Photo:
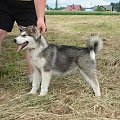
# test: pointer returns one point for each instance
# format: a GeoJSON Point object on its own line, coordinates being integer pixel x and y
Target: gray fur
{"type": "Point", "coordinates": [62, 59]}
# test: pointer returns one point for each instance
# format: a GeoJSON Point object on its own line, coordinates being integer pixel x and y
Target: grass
{"type": "Point", "coordinates": [69, 98]}
{"type": "Point", "coordinates": [57, 12]}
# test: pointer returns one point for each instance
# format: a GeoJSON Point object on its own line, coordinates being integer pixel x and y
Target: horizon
{"type": "Point", "coordinates": [83, 3]}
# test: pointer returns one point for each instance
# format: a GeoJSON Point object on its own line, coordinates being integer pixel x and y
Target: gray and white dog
{"type": "Point", "coordinates": [49, 59]}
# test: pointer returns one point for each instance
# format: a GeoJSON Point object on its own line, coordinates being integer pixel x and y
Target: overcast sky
{"type": "Point", "coordinates": [84, 3]}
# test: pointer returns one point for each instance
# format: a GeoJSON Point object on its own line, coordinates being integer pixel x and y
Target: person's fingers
{"type": "Point", "coordinates": [42, 27]}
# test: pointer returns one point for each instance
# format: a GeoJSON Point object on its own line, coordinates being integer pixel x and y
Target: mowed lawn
{"type": "Point", "coordinates": [69, 97]}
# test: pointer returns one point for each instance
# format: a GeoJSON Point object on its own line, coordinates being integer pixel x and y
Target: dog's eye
{"type": "Point", "coordinates": [24, 35]}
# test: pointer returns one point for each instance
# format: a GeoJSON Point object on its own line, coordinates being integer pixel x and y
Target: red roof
{"type": "Point", "coordinates": [73, 7]}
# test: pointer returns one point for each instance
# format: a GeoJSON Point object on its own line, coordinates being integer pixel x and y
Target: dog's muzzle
{"type": "Point", "coordinates": [21, 46]}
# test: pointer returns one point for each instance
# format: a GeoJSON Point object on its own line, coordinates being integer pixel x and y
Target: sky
{"type": "Point", "coordinates": [84, 3]}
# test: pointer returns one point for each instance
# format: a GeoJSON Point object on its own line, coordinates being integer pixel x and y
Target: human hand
{"type": "Point", "coordinates": [41, 25]}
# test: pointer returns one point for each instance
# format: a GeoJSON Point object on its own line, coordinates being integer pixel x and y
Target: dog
{"type": "Point", "coordinates": [49, 59]}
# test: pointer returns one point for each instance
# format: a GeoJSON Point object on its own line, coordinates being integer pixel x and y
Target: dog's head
{"type": "Point", "coordinates": [29, 38]}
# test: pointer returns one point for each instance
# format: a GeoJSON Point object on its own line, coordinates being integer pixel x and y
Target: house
{"type": "Point", "coordinates": [73, 8]}
{"type": "Point", "coordinates": [107, 7]}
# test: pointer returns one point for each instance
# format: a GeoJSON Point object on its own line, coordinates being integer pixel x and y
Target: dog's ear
{"type": "Point", "coordinates": [22, 28]}
{"type": "Point", "coordinates": [32, 29]}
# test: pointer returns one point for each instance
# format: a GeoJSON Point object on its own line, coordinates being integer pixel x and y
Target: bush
{"type": "Point", "coordinates": [99, 8]}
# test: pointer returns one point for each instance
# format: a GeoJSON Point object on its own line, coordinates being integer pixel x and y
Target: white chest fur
{"type": "Point", "coordinates": [38, 62]}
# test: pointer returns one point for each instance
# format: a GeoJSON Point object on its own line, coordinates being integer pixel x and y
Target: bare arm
{"type": "Point", "coordinates": [40, 11]}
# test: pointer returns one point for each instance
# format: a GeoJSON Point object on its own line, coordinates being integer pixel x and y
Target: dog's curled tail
{"type": "Point", "coordinates": [95, 43]}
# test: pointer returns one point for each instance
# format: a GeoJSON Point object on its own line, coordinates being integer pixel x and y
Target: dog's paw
{"type": "Point", "coordinates": [98, 95]}
{"type": "Point", "coordinates": [43, 92]}
{"type": "Point", "coordinates": [41, 95]}
{"type": "Point", "coordinates": [33, 91]}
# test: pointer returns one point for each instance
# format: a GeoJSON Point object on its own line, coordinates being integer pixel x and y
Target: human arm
{"type": "Point", "coordinates": [40, 11]}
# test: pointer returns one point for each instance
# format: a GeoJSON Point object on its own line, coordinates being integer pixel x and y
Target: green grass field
{"type": "Point", "coordinates": [69, 98]}
{"type": "Point", "coordinates": [59, 12]}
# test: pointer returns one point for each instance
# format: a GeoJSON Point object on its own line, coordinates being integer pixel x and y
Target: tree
{"type": "Point", "coordinates": [116, 6]}
{"type": "Point", "coordinates": [99, 8]}
{"type": "Point", "coordinates": [47, 6]}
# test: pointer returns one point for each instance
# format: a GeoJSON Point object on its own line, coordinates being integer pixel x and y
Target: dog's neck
{"type": "Point", "coordinates": [42, 45]}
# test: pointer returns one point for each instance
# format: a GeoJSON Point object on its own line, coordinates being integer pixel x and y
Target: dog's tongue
{"type": "Point", "coordinates": [22, 46]}
{"type": "Point", "coordinates": [19, 48]}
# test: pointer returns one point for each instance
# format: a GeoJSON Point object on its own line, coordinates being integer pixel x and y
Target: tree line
{"type": "Point", "coordinates": [116, 6]}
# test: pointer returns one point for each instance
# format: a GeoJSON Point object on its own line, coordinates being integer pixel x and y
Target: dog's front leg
{"type": "Point", "coordinates": [46, 76]}
{"type": "Point", "coordinates": [36, 81]}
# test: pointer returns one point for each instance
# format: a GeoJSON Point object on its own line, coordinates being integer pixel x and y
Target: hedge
{"type": "Point", "coordinates": [80, 13]}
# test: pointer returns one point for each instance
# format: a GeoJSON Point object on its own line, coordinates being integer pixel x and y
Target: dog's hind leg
{"type": "Point", "coordinates": [46, 76]}
{"type": "Point", "coordinates": [36, 81]}
{"type": "Point", "coordinates": [91, 79]}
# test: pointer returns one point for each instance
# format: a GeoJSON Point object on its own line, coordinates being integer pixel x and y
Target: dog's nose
{"type": "Point", "coordinates": [15, 40]}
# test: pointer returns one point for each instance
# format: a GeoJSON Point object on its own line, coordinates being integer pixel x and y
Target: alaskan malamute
{"type": "Point", "coordinates": [48, 59]}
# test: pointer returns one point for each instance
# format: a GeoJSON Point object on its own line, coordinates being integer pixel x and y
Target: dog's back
{"type": "Point", "coordinates": [63, 59]}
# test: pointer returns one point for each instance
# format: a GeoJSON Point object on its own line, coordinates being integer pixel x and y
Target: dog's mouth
{"type": "Point", "coordinates": [22, 46]}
